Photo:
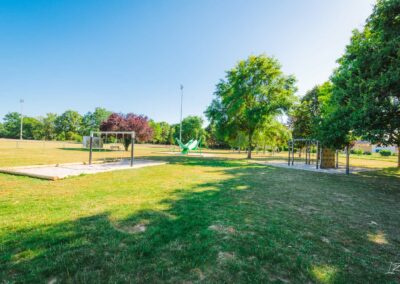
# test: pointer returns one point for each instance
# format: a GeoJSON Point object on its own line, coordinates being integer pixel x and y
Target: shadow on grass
{"type": "Point", "coordinates": [197, 161]}
{"type": "Point", "coordinates": [87, 150]}
{"type": "Point", "coordinates": [257, 225]}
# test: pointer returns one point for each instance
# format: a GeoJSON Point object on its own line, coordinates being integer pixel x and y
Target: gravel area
{"type": "Point", "coordinates": [312, 168]}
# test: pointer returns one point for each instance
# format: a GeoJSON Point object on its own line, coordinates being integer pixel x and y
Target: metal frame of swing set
{"type": "Point", "coordinates": [308, 144]}
{"type": "Point", "coordinates": [123, 133]}
{"type": "Point", "coordinates": [318, 158]}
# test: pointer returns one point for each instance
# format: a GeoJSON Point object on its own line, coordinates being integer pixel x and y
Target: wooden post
{"type": "Point", "coordinates": [132, 150]}
{"type": "Point", "coordinates": [347, 160]}
{"type": "Point", "coordinates": [90, 149]}
{"type": "Point", "coordinates": [288, 149]}
{"type": "Point", "coordinates": [317, 156]}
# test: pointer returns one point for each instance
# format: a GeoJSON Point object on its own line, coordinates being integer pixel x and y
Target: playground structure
{"type": "Point", "coordinates": [323, 158]}
{"type": "Point", "coordinates": [192, 145]}
{"type": "Point", "coordinates": [112, 141]}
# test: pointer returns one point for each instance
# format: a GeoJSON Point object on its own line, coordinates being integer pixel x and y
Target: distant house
{"type": "Point", "coordinates": [363, 145]}
{"type": "Point", "coordinates": [366, 146]}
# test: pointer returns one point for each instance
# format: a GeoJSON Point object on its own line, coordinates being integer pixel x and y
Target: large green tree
{"type": "Point", "coordinates": [157, 131]}
{"type": "Point", "coordinates": [12, 122]}
{"type": "Point", "coordinates": [192, 128]}
{"type": "Point", "coordinates": [367, 81]}
{"type": "Point", "coordinates": [252, 92]}
{"type": "Point", "coordinates": [49, 126]}
{"type": "Point", "coordinates": [2, 131]}
{"type": "Point", "coordinates": [33, 128]}
{"type": "Point", "coordinates": [68, 125]}
{"type": "Point", "coordinates": [307, 118]}
{"type": "Point", "coordinates": [165, 131]}
{"type": "Point", "coordinates": [91, 121]}
{"type": "Point", "coordinates": [273, 134]}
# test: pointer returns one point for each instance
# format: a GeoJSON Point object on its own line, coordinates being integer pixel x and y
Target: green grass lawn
{"type": "Point", "coordinates": [201, 220]}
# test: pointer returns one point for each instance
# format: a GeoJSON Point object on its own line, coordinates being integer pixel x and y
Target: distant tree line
{"type": "Point", "coordinates": [72, 126]}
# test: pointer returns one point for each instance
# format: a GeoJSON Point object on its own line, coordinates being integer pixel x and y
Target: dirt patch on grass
{"type": "Point", "coordinates": [378, 238]}
{"type": "Point", "coordinates": [222, 229]}
{"type": "Point", "coordinates": [224, 257]}
{"type": "Point", "coordinates": [136, 229]}
{"type": "Point", "coordinates": [199, 273]}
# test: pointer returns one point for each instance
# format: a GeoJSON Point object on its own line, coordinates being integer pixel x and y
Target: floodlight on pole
{"type": "Point", "coordinates": [180, 127]}
{"type": "Point", "coordinates": [21, 101]}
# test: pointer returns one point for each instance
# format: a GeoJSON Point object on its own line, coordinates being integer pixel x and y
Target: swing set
{"type": "Point", "coordinates": [112, 145]}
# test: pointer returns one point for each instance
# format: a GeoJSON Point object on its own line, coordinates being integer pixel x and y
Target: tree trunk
{"type": "Point", "coordinates": [250, 142]}
{"type": "Point", "coordinates": [127, 142]}
{"type": "Point", "coordinates": [398, 155]}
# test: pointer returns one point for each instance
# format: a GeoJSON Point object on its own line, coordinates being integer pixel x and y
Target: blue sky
{"type": "Point", "coordinates": [131, 56]}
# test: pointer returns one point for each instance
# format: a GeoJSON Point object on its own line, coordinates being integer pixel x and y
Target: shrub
{"type": "Point", "coordinates": [76, 137]}
{"type": "Point", "coordinates": [356, 151]}
{"type": "Point", "coordinates": [385, 152]}
{"type": "Point", "coordinates": [367, 153]}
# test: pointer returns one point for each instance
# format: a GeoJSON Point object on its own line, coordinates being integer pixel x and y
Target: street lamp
{"type": "Point", "coordinates": [180, 128]}
{"type": "Point", "coordinates": [21, 101]}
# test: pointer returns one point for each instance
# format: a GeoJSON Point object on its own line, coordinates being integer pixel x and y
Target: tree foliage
{"type": "Point", "coordinates": [91, 121]}
{"type": "Point", "coordinates": [192, 128]}
{"type": "Point", "coordinates": [251, 93]}
{"type": "Point", "coordinates": [129, 122]}
{"type": "Point", "coordinates": [367, 82]}
{"type": "Point", "coordinates": [49, 126]}
{"type": "Point", "coordinates": [12, 122]}
{"type": "Point", "coordinates": [273, 134]}
{"type": "Point", "coordinates": [68, 125]}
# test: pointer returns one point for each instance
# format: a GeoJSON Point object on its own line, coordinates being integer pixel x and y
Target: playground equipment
{"type": "Point", "coordinates": [321, 155]}
{"type": "Point", "coordinates": [112, 143]}
{"type": "Point", "coordinates": [192, 145]}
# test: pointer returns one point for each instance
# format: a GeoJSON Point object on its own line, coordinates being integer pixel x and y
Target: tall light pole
{"type": "Point", "coordinates": [180, 128]}
{"type": "Point", "coordinates": [21, 101]}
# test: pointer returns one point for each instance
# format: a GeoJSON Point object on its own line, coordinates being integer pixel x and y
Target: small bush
{"type": "Point", "coordinates": [356, 151]}
{"type": "Point", "coordinates": [367, 153]}
{"type": "Point", "coordinates": [76, 138]}
{"type": "Point", "coordinates": [385, 153]}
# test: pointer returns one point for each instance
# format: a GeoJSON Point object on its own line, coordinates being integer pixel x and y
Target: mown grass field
{"type": "Point", "coordinates": [217, 219]}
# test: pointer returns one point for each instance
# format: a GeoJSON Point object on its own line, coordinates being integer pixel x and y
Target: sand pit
{"type": "Point", "coordinates": [55, 172]}
{"type": "Point", "coordinates": [312, 168]}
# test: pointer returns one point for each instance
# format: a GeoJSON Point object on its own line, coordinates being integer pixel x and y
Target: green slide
{"type": "Point", "coordinates": [189, 146]}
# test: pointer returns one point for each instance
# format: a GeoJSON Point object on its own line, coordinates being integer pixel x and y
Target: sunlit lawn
{"type": "Point", "coordinates": [197, 220]}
